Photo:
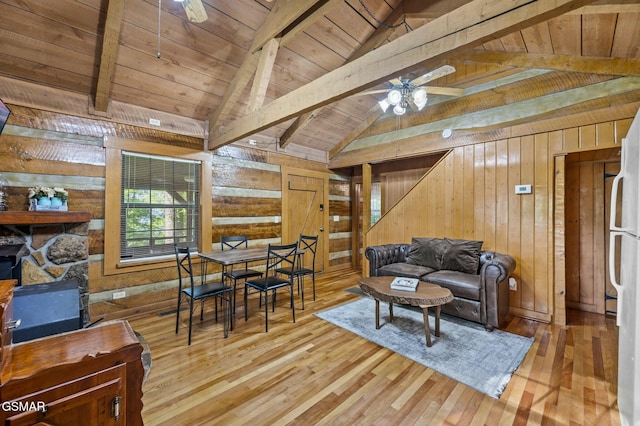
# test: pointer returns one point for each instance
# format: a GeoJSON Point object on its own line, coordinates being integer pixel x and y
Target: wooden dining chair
{"type": "Point", "coordinates": [277, 256]}
{"type": "Point", "coordinates": [191, 292]}
{"type": "Point", "coordinates": [231, 243]}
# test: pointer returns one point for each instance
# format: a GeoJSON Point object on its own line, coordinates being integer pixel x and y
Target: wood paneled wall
{"type": "Point", "coordinates": [470, 194]}
{"type": "Point", "coordinates": [587, 205]}
{"type": "Point", "coordinates": [41, 147]}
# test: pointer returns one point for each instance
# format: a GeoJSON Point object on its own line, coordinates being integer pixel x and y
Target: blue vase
{"type": "Point", "coordinates": [44, 201]}
{"type": "Point", "coordinates": [55, 201]}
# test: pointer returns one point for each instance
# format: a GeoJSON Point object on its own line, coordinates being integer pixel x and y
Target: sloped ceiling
{"type": "Point", "coordinates": [285, 75]}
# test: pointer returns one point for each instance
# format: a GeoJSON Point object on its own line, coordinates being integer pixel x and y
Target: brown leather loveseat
{"type": "Point", "coordinates": [478, 279]}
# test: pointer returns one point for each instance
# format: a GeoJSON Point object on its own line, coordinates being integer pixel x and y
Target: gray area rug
{"type": "Point", "coordinates": [465, 351]}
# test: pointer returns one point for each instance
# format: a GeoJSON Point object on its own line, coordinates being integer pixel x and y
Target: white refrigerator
{"type": "Point", "coordinates": [627, 234]}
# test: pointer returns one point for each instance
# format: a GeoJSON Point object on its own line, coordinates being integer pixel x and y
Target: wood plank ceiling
{"type": "Point", "coordinates": [283, 75]}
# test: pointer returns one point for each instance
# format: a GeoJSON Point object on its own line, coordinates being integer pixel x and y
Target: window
{"type": "Point", "coordinates": [376, 202]}
{"type": "Point", "coordinates": [155, 194]}
{"type": "Point", "coordinates": [159, 205]}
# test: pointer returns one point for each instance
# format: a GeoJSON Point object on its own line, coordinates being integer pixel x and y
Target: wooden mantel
{"type": "Point", "coordinates": [43, 217]}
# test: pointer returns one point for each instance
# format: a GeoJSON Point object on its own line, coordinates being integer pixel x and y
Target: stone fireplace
{"type": "Point", "coordinates": [55, 247]}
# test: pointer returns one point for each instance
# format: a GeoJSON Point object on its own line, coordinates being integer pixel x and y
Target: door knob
{"type": "Point", "coordinates": [321, 229]}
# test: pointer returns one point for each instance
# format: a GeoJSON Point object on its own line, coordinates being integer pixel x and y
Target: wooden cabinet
{"type": "Point", "coordinates": [88, 376]}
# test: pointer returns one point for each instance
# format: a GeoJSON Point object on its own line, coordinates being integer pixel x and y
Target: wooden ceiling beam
{"type": "Point", "coordinates": [113, 24]}
{"type": "Point", "coordinates": [380, 34]}
{"type": "Point", "coordinates": [374, 113]}
{"type": "Point", "coordinates": [283, 13]}
{"type": "Point", "coordinates": [470, 25]}
{"type": "Point", "coordinates": [427, 138]}
{"type": "Point", "coordinates": [263, 74]}
{"type": "Point", "coordinates": [608, 6]}
{"type": "Point", "coordinates": [308, 21]}
{"type": "Point", "coordinates": [591, 65]}
{"type": "Point", "coordinates": [434, 9]}
{"type": "Point", "coordinates": [407, 7]}
{"type": "Point", "coordinates": [434, 142]}
{"type": "Point", "coordinates": [378, 37]}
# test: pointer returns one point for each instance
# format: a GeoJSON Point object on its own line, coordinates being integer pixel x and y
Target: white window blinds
{"type": "Point", "coordinates": [159, 205]}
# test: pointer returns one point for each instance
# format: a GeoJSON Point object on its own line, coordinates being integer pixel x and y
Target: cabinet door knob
{"type": "Point", "coordinates": [13, 324]}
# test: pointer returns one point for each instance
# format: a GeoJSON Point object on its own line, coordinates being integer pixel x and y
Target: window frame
{"type": "Point", "coordinates": [114, 147]}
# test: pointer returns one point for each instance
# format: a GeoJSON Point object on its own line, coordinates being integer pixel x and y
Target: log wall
{"type": "Point", "coordinates": [42, 147]}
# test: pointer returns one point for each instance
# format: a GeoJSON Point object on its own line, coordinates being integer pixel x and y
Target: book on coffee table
{"type": "Point", "coordinates": [405, 284]}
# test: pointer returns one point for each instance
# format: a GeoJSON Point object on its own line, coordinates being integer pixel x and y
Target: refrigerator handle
{"type": "Point", "coordinates": [614, 203]}
{"type": "Point", "coordinates": [612, 273]}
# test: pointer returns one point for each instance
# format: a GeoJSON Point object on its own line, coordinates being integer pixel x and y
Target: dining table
{"type": "Point", "coordinates": [235, 256]}
{"type": "Point", "coordinates": [228, 258]}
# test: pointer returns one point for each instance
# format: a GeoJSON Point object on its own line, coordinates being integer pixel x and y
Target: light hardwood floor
{"type": "Point", "coordinates": [312, 372]}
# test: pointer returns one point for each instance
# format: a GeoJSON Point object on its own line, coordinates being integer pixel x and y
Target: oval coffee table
{"type": "Point", "coordinates": [425, 296]}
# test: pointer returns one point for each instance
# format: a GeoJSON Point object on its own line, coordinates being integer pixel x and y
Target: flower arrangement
{"type": "Point", "coordinates": [47, 198]}
{"type": "Point", "coordinates": [48, 192]}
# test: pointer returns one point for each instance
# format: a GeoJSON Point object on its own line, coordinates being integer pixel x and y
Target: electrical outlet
{"type": "Point", "coordinates": [119, 294]}
{"type": "Point", "coordinates": [336, 218]}
{"type": "Point", "coordinates": [513, 284]}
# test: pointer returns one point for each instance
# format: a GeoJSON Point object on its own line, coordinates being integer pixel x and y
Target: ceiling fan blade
{"type": "Point", "coordinates": [371, 92]}
{"type": "Point", "coordinates": [449, 91]}
{"type": "Point", "coordinates": [396, 82]}
{"type": "Point", "coordinates": [195, 10]}
{"type": "Point", "coordinates": [434, 75]}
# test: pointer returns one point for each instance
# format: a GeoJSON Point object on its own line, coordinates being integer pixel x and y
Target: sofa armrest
{"type": "Point", "coordinates": [386, 254]}
{"type": "Point", "coordinates": [494, 276]}
{"type": "Point", "coordinates": [496, 267]}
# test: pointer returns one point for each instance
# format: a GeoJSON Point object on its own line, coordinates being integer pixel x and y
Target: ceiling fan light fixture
{"type": "Point", "coordinates": [399, 109]}
{"type": "Point", "coordinates": [384, 105]}
{"type": "Point", "coordinates": [195, 10]}
{"type": "Point", "coordinates": [420, 95]}
{"type": "Point", "coordinates": [394, 97]}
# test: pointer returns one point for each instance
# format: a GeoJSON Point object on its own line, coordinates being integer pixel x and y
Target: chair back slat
{"type": "Point", "coordinates": [233, 242]}
{"type": "Point", "coordinates": [280, 256]}
{"type": "Point", "coordinates": [184, 264]}
{"type": "Point", "coordinates": [309, 243]}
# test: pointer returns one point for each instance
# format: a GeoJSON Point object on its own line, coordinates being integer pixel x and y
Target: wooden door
{"type": "Point", "coordinates": [305, 209]}
{"type": "Point", "coordinates": [588, 197]}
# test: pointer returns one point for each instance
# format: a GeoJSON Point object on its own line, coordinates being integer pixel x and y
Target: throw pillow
{"type": "Point", "coordinates": [427, 252]}
{"type": "Point", "coordinates": [462, 256]}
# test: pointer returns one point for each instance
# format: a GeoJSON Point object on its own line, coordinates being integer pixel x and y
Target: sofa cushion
{"type": "Point", "coordinates": [404, 270]}
{"type": "Point", "coordinates": [462, 256]}
{"type": "Point", "coordinates": [427, 252]}
{"type": "Point", "coordinates": [460, 284]}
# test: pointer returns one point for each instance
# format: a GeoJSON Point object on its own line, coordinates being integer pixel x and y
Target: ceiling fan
{"type": "Point", "coordinates": [195, 10]}
{"type": "Point", "coordinates": [405, 93]}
